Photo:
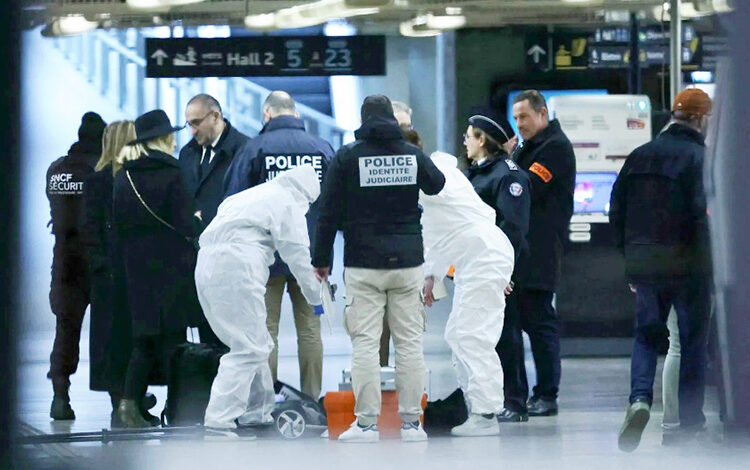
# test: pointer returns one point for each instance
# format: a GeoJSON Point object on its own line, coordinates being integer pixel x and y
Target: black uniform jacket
{"type": "Point", "coordinates": [283, 144]}
{"type": "Point", "coordinates": [159, 262]}
{"type": "Point", "coordinates": [65, 186]}
{"type": "Point", "coordinates": [371, 192]}
{"type": "Point", "coordinates": [658, 208]}
{"type": "Point", "coordinates": [208, 190]}
{"type": "Point", "coordinates": [551, 164]}
{"type": "Point", "coordinates": [502, 185]}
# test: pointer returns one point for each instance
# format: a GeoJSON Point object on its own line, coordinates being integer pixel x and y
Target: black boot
{"type": "Point", "coordinates": [60, 409]}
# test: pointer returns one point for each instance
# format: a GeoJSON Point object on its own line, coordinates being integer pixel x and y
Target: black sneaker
{"type": "Point", "coordinates": [542, 407]}
{"type": "Point", "coordinates": [635, 422]}
{"type": "Point", "coordinates": [509, 416]}
{"type": "Point", "coordinates": [61, 410]}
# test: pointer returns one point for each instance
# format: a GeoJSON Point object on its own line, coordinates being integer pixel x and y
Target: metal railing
{"type": "Point", "coordinates": [114, 62]}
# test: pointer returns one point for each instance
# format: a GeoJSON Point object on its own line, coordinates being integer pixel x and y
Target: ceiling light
{"type": "Point", "coordinates": [445, 21]}
{"type": "Point", "coordinates": [687, 11]}
{"type": "Point", "coordinates": [453, 10]}
{"type": "Point", "coordinates": [69, 25]}
{"type": "Point", "coordinates": [145, 4]}
{"type": "Point", "coordinates": [417, 28]}
{"type": "Point", "coordinates": [263, 21]}
{"type": "Point", "coordinates": [312, 14]}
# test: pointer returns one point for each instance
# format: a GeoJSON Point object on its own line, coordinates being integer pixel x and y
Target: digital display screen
{"type": "Point", "coordinates": [592, 192]}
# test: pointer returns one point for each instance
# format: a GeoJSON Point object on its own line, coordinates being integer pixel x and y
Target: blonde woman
{"type": "Point", "coordinates": [109, 340]}
{"type": "Point", "coordinates": [153, 217]}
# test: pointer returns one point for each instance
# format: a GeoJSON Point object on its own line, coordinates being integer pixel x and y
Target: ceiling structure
{"type": "Point", "coordinates": [370, 15]}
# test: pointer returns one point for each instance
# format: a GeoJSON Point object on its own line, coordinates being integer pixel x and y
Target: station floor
{"type": "Point", "coordinates": [592, 401]}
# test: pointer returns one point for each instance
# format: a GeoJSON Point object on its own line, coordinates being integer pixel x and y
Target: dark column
{"type": "Point", "coordinates": [9, 180]}
{"type": "Point", "coordinates": [634, 71]}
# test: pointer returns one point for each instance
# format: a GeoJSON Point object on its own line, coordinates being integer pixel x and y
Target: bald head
{"type": "Point", "coordinates": [278, 103]}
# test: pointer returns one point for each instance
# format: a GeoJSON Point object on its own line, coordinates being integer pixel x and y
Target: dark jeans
{"type": "Point", "coordinates": [149, 352]}
{"type": "Point", "coordinates": [68, 302]}
{"type": "Point", "coordinates": [691, 301]}
{"type": "Point", "coordinates": [530, 311]}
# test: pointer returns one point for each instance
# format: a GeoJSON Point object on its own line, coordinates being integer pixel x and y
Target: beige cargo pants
{"type": "Point", "coordinates": [307, 324]}
{"type": "Point", "coordinates": [370, 294]}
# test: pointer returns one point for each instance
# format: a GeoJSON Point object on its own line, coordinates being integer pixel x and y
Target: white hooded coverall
{"type": "Point", "coordinates": [236, 250]}
{"type": "Point", "coordinates": [459, 229]}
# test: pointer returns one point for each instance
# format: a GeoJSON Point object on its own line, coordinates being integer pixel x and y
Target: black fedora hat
{"type": "Point", "coordinates": [151, 125]}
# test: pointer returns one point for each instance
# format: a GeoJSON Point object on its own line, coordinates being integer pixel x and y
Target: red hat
{"type": "Point", "coordinates": [693, 102]}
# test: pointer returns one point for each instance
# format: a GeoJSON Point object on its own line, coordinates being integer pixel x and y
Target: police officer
{"type": "Point", "coordinates": [502, 185]}
{"type": "Point", "coordinates": [658, 212]}
{"type": "Point", "coordinates": [69, 292]}
{"type": "Point", "coordinates": [282, 145]}
{"type": "Point", "coordinates": [371, 193]}
{"type": "Point", "coordinates": [547, 156]}
{"type": "Point", "coordinates": [204, 162]}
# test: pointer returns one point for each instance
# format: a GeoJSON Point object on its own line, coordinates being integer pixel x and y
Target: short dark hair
{"type": "Point", "coordinates": [207, 101]}
{"type": "Point", "coordinates": [536, 100]}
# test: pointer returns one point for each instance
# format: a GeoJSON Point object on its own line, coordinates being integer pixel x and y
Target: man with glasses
{"type": "Point", "coordinates": [204, 161]}
{"type": "Point", "coordinates": [282, 145]}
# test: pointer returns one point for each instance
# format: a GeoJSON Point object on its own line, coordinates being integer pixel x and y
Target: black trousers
{"type": "Point", "coordinates": [149, 352]}
{"type": "Point", "coordinates": [68, 300]}
{"type": "Point", "coordinates": [530, 311]}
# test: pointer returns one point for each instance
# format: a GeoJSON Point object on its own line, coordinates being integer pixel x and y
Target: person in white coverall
{"type": "Point", "coordinates": [459, 229]}
{"type": "Point", "coordinates": [236, 250]}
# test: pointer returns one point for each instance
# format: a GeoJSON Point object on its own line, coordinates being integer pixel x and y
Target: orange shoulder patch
{"type": "Point", "coordinates": [541, 171]}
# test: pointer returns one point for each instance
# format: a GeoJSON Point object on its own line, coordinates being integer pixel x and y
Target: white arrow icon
{"type": "Point", "coordinates": [535, 52]}
{"type": "Point", "coordinates": [159, 55]}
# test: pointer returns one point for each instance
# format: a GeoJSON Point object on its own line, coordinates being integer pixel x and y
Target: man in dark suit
{"type": "Point", "coordinates": [204, 161]}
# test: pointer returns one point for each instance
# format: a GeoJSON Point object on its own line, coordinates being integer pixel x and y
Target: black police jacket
{"type": "Point", "coordinates": [502, 185]}
{"type": "Point", "coordinates": [658, 208]}
{"type": "Point", "coordinates": [551, 165]}
{"type": "Point", "coordinates": [208, 189]}
{"type": "Point", "coordinates": [371, 192]}
{"type": "Point", "coordinates": [282, 144]}
{"type": "Point", "coordinates": [65, 189]}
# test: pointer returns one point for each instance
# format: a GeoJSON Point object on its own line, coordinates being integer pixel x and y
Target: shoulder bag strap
{"type": "Point", "coordinates": [138, 195]}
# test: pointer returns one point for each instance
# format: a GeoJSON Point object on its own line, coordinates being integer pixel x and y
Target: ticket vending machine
{"type": "Point", "coordinates": [593, 300]}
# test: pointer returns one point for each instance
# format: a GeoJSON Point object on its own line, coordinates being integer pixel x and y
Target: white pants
{"type": "Point", "coordinates": [231, 291]}
{"type": "Point", "coordinates": [472, 331]}
{"type": "Point", "coordinates": [670, 377]}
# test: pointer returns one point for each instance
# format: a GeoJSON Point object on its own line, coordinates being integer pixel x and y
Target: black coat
{"type": "Point", "coordinates": [371, 192]}
{"type": "Point", "coordinates": [110, 336]}
{"type": "Point", "coordinates": [551, 164]}
{"type": "Point", "coordinates": [159, 262]}
{"type": "Point", "coordinates": [208, 189]}
{"type": "Point", "coordinates": [281, 145]}
{"type": "Point", "coordinates": [502, 185]}
{"type": "Point", "coordinates": [658, 208]}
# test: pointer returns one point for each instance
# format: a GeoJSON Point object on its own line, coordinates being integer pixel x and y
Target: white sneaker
{"type": "Point", "coordinates": [413, 432]}
{"type": "Point", "coordinates": [477, 425]}
{"type": "Point", "coordinates": [356, 434]}
{"type": "Point", "coordinates": [226, 434]}
{"type": "Point", "coordinates": [324, 434]}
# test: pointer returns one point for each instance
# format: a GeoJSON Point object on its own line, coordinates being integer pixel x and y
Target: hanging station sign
{"type": "Point", "coordinates": [265, 56]}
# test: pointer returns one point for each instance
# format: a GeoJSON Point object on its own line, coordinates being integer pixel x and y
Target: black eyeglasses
{"type": "Point", "coordinates": [197, 122]}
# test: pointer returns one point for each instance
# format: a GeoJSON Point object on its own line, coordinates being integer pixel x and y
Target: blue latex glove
{"type": "Point", "coordinates": [318, 309]}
